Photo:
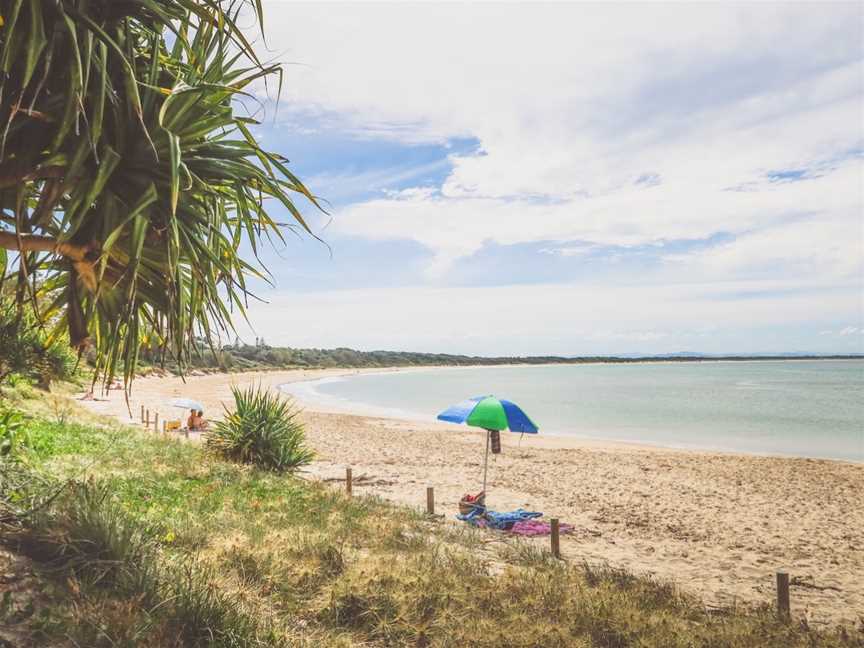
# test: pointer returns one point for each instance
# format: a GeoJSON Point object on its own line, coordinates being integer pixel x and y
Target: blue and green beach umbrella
{"type": "Point", "coordinates": [489, 413]}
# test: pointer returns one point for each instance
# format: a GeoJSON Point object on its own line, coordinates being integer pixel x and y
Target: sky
{"type": "Point", "coordinates": [521, 179]}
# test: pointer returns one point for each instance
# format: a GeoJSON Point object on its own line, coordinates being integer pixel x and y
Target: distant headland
{"type": "Point", "coordinates": [245, 357]}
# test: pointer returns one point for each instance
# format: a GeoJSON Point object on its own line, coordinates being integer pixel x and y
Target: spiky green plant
{"type": "Point", "coordinates": [12, 432]}
{"type": "Point", "coordinates": [101, 542]}
{"type": "Point", "coordinates": [128, 180]}
{"type": "Point", "coordinates": [264, 429]}
{"type": "Point", "coordinates": [28, 351]}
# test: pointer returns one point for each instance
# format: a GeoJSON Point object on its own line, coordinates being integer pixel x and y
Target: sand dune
{"type": "Point", "coordinates": [720, 525]}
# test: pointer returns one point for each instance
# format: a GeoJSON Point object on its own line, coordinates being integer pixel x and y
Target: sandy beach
{"type": "Point", "coordinates": [718, 524]}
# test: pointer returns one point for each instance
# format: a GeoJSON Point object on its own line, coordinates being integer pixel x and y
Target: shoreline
{"type": "Point", "coordinates": [312, 400]}
{"type": "Point", "coordinates": [719, 525]}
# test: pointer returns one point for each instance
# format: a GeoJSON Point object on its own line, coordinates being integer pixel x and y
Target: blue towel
{"type": "Point", "coordinates": [500, 521]}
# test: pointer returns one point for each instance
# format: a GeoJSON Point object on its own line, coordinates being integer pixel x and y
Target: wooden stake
{"type": "Point", "coordinates": [142, 413]}
{"type": "Point", "coordinates": [156, 423]}
{"type": "Point", "coordinates": [348, 484]}
{"type": "Point", "coordinates": [556, 543]}
{"type": "Point", "coordinates": [147, 420]}
{"type": "Point", "coordinates": [430, 500]}
{"type": "Point", "coordinates": [783, 595]}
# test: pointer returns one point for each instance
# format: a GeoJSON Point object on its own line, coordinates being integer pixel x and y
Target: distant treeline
{"type": "Point", "coordinates": [245, 357]}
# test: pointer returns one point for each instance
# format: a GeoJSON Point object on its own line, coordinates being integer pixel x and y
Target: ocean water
{"type": "Point", "coordinates": [798, 408]}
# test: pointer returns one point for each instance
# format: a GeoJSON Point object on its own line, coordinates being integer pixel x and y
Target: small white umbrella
{"type": "Point", "coordinates": [187, 403]}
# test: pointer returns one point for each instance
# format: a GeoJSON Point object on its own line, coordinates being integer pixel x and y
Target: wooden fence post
{"type": "Point", "coordinates": [556, 543]}
{"type": "Point", "coordinates": [156, 423]}
{"type": "Point", "coordinates": [147, 420]}
{"type": "Point", "coordinates": [142, 413]}
{"type": "Point", "coordinates": [783, 595]}
{"type": "Point", "coordinates": [348, 485]}
{"type": "Point", "coordinates": [164, 427]}
{"type": "Point", "coordinates": [430, 500]}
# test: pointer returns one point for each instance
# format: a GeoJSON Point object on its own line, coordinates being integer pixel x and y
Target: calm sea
{"type": "Point", "coordinates": [800, 408]}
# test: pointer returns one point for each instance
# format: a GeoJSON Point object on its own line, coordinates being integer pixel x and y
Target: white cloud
{"type": "Point", "coordinates": [333, 186]}
{"type": "Point", "coordinates": [631, 336]}
{"type": "Point", "coordinates": [844, 332]}
{"type": "Point", "coordinates": [568, 98]}
{"type": "Point", "coordinates": [569, 250]}
{"type": "Point", "coordinates": [598, 125]}
{"type": "Point", "coordinates": [826, 238]}
{"type": "Point", "coordinates": [576, 103]}
{"type": "Point", "coordinates": [548, 318]}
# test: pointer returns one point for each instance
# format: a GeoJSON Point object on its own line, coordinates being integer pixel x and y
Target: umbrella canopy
{"type": "Point", "coordinates": [489, 413]}
{"type": "Point", "coordinates": [187, 403]}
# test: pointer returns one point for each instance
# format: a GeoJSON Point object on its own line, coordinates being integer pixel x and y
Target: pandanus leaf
{"type": "Point", "coordinates": [163, 187]}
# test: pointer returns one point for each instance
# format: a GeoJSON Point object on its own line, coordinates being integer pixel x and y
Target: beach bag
{"type": "Point", "coordinates": [470, 503]}
{"type": "Point", "coordinates": [495, 436]}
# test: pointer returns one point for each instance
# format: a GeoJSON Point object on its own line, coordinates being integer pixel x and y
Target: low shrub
{"type": "Point", "coordinates": [263, 430]}
{"type": "Point", "coordinates": [201, 614]}
{"type": "Point", "coordinates": [85, 532]}
{"type": "Point", "coordinates": [12, 433]}
{"type": "Point", "coordinates": [29, 353]}
{"type": "Point", "coordinates": [85, 537]}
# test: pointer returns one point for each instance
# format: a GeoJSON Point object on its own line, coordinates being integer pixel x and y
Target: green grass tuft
{"type": "Point", "coordinates": [264, 430]}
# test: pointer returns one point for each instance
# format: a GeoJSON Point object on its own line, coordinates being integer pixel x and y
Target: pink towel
{"type": "Point", "coordinates": [537, 528]}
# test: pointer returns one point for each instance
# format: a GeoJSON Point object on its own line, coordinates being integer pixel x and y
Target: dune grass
{"type": "Point", "coordinates": [158, 543]}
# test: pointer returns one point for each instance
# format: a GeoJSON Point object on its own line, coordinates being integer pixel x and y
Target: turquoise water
{"type": "Point", "coordinates": [800, 408]}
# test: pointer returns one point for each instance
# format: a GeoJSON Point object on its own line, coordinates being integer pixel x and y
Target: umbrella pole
{"type": "Point", "coordinates": [486, 460]}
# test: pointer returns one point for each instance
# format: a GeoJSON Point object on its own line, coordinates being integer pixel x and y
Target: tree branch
{"type": "Point", "coordinates": [83, 257]}
{"type": "Point", "coordinates": [12, 174]}
{"type": "Point", "coordinates": [36, 243]}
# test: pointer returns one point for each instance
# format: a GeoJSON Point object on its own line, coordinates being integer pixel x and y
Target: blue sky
{"type": "Point", "coordinates": [570, 179]}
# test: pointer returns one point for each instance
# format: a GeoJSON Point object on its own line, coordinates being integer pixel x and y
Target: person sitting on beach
{"type": "Point", "coordinates": [196, 421]}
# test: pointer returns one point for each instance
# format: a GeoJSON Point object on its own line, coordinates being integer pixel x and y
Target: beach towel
{"type": "Point", "coordinates": [537, 528]}
{"type": "Point", "coordinates": [495, 520]}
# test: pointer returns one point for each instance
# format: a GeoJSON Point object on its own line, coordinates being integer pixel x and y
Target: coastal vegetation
{"type": "Point", "coordinates": [263, 429]}
{"type": "Point", "coordinates": [131, 181]}
{"type": "Point", "coordinates": [27, 351]}
{"type": "Point", "coordinates": [132, 539]}
{"type": "Point", "coordinates": [260, 356]}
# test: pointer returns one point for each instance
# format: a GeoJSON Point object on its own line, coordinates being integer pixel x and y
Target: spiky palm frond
{"type": "Point", "coordinates": [128, 182]}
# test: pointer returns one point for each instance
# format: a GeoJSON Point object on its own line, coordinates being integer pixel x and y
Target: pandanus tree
{"type": "Point", "coordinates": [130, 183]}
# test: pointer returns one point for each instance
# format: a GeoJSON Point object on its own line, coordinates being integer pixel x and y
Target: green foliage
{"type": "Point", "coordinates": [203, 615]}
{"type": "Point", "coordinates": [280, 561]}
{"type": "Point", "coordinates": [88, 537]}
{"type": "Point", "coordinates": [127, 176]}
{"type": "Point", "coordinates": [247, 357]}
{"type": "Point", "coordinates": [100, 543]}
{"type": "Point", "coordinates": [46, 439]}
{"type": "Point", "coordinates": [12, 433]}
{"type": "Point", "coordinates": [28, 351]}
{"type": "Point", "coordinates": [264, 429]}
